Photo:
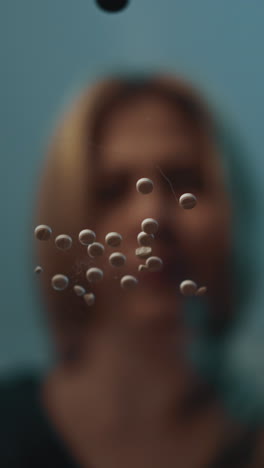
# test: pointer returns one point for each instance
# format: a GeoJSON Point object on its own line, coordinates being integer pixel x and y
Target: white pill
{"type": "Point", "coordinates": [142, 267]}
{"type": "Point", "coordinates": [201, 291]}
{"type": "Point", "coordinates": [150, 226]}
{"type": "Point", "coordinates": [86, 236]}
{"type": "Point", "coordinates": [63, 242]}
{"type": "Point", "coordinates": [113, 239]}
{"type": "Point", "coordinates": [117, 259]}
{"type": "Point", "coordinates": [188, 287]}
{"type": "Point", "coordinates": [143, 252]}
{"type": "Point", "coordinates": [144, 186]}
{"type": "Point", "coordinates": [79, 290]}
{"type": "Point", "coordinates": [59, 282]}
{"type": "Point", "coordinates": [145, 239]}
{"type": "Point", "coordinates": [89, 298]}
{"type": "Point", "coordinates": [187, 201]}
{"type": "Point", "coordinates": [95, 249]}
{"type": "Point", "coordinates": [38, 269]}
{"type": "Point", "coordinates": [94, 275]}
{"type": "Point", "coordinates": [43, 232]}
{"type": "Point", "coordinates": [154, 263]}
{"type": "Point", "coordinates": [128, 282]}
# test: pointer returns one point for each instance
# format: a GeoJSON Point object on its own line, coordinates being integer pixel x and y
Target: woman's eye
{"type": "Point", "coordinates": [110, 192]}
{"type": "Point", "coordinates": [188, 184]}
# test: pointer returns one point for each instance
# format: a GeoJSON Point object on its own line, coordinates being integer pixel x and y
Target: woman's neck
{"type": "Point", "coordinates": [146, 373]}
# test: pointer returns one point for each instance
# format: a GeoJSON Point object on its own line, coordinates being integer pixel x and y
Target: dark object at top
{"type": "Point", "coordinates": [112, 6]}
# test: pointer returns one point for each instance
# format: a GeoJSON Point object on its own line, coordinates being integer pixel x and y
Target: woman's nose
{"type": "Point", "coordinates": [158, 206]}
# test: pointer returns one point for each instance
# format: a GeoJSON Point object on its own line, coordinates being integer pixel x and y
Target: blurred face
{"type": "Point", "coordinates": [148, 137]}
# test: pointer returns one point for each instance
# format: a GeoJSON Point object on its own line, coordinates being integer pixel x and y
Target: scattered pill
{"type": "Point", "coordinates": [187, 201]}
{"type": "Point", "coordinates": [113, 239]}
{"type": "Point", "coordinates": [128, 282]}
{"type": "Point", "coordinates": [94, 275]}
{"type": "Point", "coordinates": [79, 290]}
{"type": "Point", "coordinates": [38, 269]}
{"type": "Point", "coordinates": [143, 252]}
{"type": "Point", "coordinates": [150, 226]}
{"type": "Point", "coordinates": [86, 236]}
{"type": "Point", "coordinates": [201, 291]}
{"type": "Point", "coordinates": [144, 186]}
{"type": "Point", "coordinates": [63, 242]}
{"type": "Point", "coordinates": [142, 267]}
{"type": "Point", "coordinates": [188, 287]}
{"type": "Point", "coordinates": [59, 282]}
{"type": "Point", "coordinates": [117, 259]}
{"type": "Point", "coordinates": [89, 299]}
{"type": "Point", "coordinates": [145, 239]}
{"type": "Point", "coordinates": [154, 263]}
{"type": "Point", "coordinates": [43, 232]}
{"type": "Point", "coordinates": [95, 249]}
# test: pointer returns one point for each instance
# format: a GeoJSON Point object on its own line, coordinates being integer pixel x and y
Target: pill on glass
{"type": "Point", "coordinates": [79, 290]}
{"type": "Point", "coordinates": [143, 252]}
{"type": "Point", "coordinates": [187, 201]}
{"type": "Point", "coordinates": [154, 263]}
{"type": "Point", "coordinates": [59, 282]}
{"type": "Point", "coordinates": [144, 186]}
{"type": "Point", "coordinates": [86, 236]}
{"type": "Point", "coordinates": [38, 269]}
{"type": "Point", "coordinates": [145, 239]}
{"type": "Point", "coordinates": [117, 259]}
{"type": "Point", "coordinates": [142, 268]}
{"type": "Point", "coordinates": [43, 232]}
{"type": "Point", "coordinates": [94, 275]}
{"type": "Point", "coordinates": [150, 226]}
{"type": "Point", "coordinates": [128, 282]}
{"type": "Point", "coordinates": [89, 299]}
{"type": "Point", "coordinates": [63, 242]}
{"type": "Point", "coordinates": [201, 291]}
{"type": "Point", "coordinates": [188, 287]}
{"type": "Point", "coordinates": [113, 239]}
{"type": "Point", "coordinates": [95, 249]}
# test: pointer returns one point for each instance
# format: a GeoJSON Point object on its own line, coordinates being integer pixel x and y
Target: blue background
{"type": "Point", "coordinates": [49, 50]}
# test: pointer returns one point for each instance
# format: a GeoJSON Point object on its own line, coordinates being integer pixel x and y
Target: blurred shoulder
{"type": "Point", "coordinates": [259, 453]}
{"type": "Point", "coordinates": [19, 415]}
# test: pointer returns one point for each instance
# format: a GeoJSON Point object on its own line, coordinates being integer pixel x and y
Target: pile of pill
{"type": "Point", "coordinates": [145, 238]}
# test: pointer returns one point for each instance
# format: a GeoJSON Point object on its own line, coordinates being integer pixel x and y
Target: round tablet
{"type": "Point", "coordinates": [143, 252]}
{"type": "Point", "coordinates": [43, 232]}
{"type": "Point", "coordinates": [188, 287]}
{"type": "Point", "coordinates": [86, 236]}
{"type": "Point", "coordinates": [38, 269]}
{"type": "Point", "coordinates": [79, 290]}
{"type": "Point", "coordinates": [63, 242]}
{"type": "Point", "coordinates": [154, 263]}
{"type": "Point", "coordinates": [95, 249]}
{"type": "Point", "coordinates": [89, 298]}
{"type": "Point", "coordinates": [113, 239]}
{"type": "Point", "coordinates": [142, 267]}
{"type": "Point", "coordinates": [187, 201]}
{"type": "Point", "coordinates": [59, 282]}
{"type": "Point", "coordinates": [117, 259]}
{"type": "Point", "coordinates": [145, 239]}
{"type": "Point", "coordinates": [150, 226]}
{"type": "Point", "coordinates": [128, 282]}
{"type": "Point", "coordinates": [94, 275]}
{"type": "Point", "coordinates": [201, 291]}
{"type": "Point", "coordinates": [144, 186]}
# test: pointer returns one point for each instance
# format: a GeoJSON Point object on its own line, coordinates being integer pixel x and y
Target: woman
{"type": "Point", "coordinates": [123, 391]}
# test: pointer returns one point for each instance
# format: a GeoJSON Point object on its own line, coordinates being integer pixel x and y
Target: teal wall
{"type": "Point", "coordinates": [50, 48]}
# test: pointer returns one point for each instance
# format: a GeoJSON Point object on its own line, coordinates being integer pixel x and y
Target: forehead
{"type": "Point", "coordinates": [145, 130]}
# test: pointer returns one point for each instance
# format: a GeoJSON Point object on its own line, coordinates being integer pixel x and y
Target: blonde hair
{"type": "Point", "coordinates": [64, 200]}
